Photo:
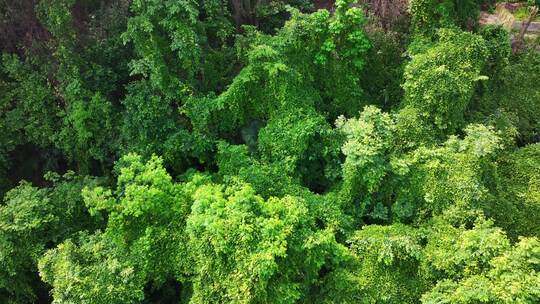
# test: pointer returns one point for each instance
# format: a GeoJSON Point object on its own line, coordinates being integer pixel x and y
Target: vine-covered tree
{"type": "Point", "coordinates": [266, 152]}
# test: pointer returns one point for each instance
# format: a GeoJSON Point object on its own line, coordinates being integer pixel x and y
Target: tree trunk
{"type": "Point", "coordinates": [519, 40]}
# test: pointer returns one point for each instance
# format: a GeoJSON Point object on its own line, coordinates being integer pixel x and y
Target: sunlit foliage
{"type": "Point", "coordinates": [266, 152]}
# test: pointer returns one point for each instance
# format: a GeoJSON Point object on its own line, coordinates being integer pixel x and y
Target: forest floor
{"type": "Point", "coordinates": [327, 4]}
{"type": "Point", "coordinates": [503, 17]}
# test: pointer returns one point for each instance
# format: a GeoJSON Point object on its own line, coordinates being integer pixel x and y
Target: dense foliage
{"type": "Point", "coordinates": [168, 151]}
